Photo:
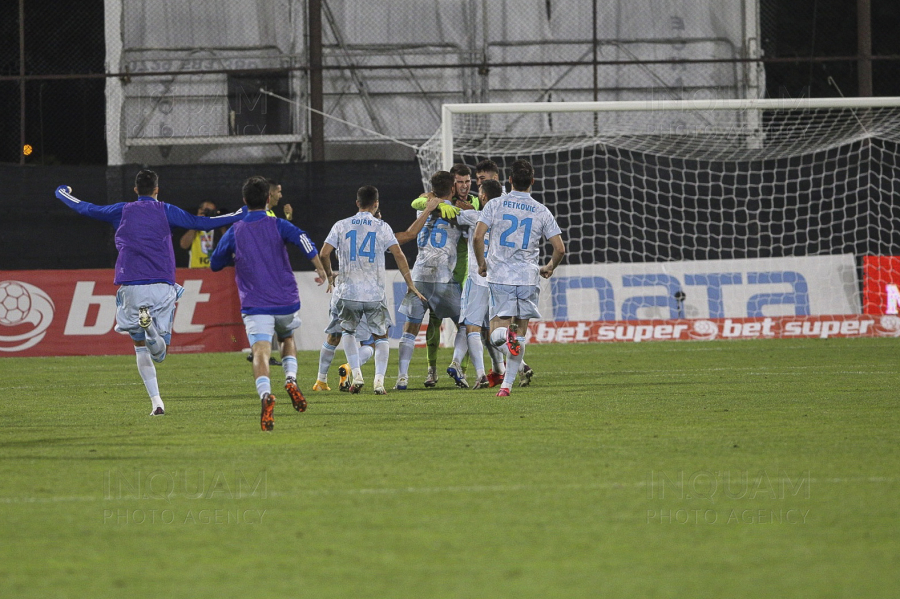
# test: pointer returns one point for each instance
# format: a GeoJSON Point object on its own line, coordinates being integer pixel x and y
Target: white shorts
{"type": "Point", "coordinates": [474, 303]}
{"type": "Point", "coordinates": [261, 327]}
{"type": "Point", "coordinates": [520, 301]}
{"type": "Point", "coordinates": [160, 298]}
{"type": "Point", "coordinates": [369, 318]}
{"type": "Point", "coordinates": [442, 301]}
{"type": "Point", "coordinates": [334, 327]}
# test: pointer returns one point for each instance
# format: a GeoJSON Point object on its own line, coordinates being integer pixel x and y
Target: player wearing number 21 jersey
{"type": "Point", "coordinates": [517, 224]}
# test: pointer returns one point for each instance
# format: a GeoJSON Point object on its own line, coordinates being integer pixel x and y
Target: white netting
{"type": "Point", "coordinates": [661, 185]}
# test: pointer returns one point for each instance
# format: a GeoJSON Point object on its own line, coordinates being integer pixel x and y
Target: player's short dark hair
{"type": "Point", "coordinates": [460, 169]}
{"type": "Point", "coordinates": [273, 184]}
{"type": "Point", "coordinates": [146, 182]}
{"type": "Point", "coordinates": [521, 175]}
{"type": "Point", "coordinates": [487, 166]}
{"type": "Point", "coordinates": [442, 183]}
{"type": "Point", "coordinates": [366, 196]}
{"type": "Point", "coordinates": [256, 192]}
{"type": "Point", "coordinates": [492, 189]}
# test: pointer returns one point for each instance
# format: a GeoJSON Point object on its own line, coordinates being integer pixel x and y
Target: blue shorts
{"type": "Point", "coordinates": [474, 304]}
{"type": "Point", "coordinates": [261, 327]}
{"type": "Point", "coordinates": [442, 301]}
{"type": "Point", "coordinates": [160, 298]}
{"type": "Point", "coordinates": [519, 301]}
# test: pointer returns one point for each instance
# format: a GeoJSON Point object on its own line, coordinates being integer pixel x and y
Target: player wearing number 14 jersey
{"type": "Point", "coordinates": [517, 223]}
{"type": "Point", "coordinates": [360, 243]}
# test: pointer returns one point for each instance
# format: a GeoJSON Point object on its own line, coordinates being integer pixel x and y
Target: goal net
{"type": "Point", "coordinates": [696, 180]}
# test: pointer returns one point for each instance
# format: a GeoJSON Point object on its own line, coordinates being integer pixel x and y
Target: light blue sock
{"type": "Point", "coordinates": [289, 363]}
{"type": "Point", "coordinates": [263, 386]}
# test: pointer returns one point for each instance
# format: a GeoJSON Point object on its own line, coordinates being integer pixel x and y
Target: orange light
{"type": "Point", "coordinates": [27, 150]}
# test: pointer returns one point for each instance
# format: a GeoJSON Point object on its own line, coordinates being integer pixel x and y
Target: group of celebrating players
{"type": "Point", "coordinates": [477, 265]}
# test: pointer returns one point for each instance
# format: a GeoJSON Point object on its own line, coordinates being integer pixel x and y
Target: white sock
{"type": "Point", "coordinates": [407, 344]}
{"type": "Point", "coordinates": [498, 338]}
{"type": "Point", "coordinates": [497, 364]}
{"type": "Point", "coordinates": [476, 353]}
{"type": "Point", "coordinates": [326, 356]}
{"type": "Point", "coordinates": [263, 386]}
{"type": "Point", "coordinates": [460, 346]}
{"type": "Point", "coordinates": [382, 351]}
{"type": "Point", "coordinates": [155, 343]}
{"type": "Point", "coordinates": [365, 353]}
{"type": "Point", "coordinates": [513, 365]}
{"type": "Point", "coordinates": [148, 374]}
{"type": "Point", "coordinates": [351, 350]}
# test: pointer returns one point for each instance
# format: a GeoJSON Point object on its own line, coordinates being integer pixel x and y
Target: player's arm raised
{"type": "Point", "coordinates": [180, 218]}
{"type": "Point", "coordinates": [111, 213]}
{"type": "Point", "coordinates": [297, 236]}
{"type": "Point", "coordinates": [403, 267]}
{"type": "Point", "coordinates": [413, 230]}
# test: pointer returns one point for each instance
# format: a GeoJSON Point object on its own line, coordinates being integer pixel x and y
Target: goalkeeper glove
{"type": "Point", "coordinates": [447, 211]}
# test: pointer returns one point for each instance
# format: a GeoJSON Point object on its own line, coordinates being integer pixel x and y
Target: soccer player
{"type": "Point", "coordinates": [267, 289]}
{"type": "Point", "coordinates": [145, 268]}
{"type": "Point", "coordinates": [473, 311]}
{"type": "Point", "coordinates": [517, 223]}
{"type": "Point", "coordinates": [274, 198]}
{"type": "Point", "coordinates": [487, 170]}
{"type": "Point", "coordinates": [433, 276]}
{"type": "Point", "coordinates": [367, 341]}
{"type": "Point", "coordinates": [360, 242]}
{"type": "Point", "coordinates": [462, 183]}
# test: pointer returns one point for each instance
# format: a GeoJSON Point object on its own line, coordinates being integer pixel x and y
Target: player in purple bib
{"type": "Point", "coordinates": [270, 300]}
{"type": "Point", "coordinates": [145, 268]}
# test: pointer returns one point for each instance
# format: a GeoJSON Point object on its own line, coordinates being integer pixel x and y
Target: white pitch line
{"type": "Point", "coordinates": [447, 490]}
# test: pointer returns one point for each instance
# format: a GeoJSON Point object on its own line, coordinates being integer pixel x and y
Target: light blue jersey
{"type": "Point", "coordinates": [517, 223]}
{"type": "Point", "coordinates": [360, 243]}
{"type": "Point", "coordinates": [437, 251]}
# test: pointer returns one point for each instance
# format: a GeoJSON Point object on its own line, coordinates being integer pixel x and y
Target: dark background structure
{"type": "Point", "coordinates": [811, 48]}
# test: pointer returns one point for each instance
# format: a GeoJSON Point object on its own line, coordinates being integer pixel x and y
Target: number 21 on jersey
{"type": "Point", "coordinates": [515, 224]}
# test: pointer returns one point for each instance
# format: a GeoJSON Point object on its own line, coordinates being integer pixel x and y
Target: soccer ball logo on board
{"type": "Point", "coordinates": [28, 310]}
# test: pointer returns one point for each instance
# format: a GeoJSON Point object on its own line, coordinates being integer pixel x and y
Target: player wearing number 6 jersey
{"type": "Point", "coordinates": [433, 275]}
{"type": "Point", "coordinates": [517, 223]}
{"type": "Point", "coordinates": [360, 243]}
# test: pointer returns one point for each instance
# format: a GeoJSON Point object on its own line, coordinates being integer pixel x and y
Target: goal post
{"type": "Point", "coordinates": [659, 181]}
{"type": "Point", "coordinates": [671, 106]}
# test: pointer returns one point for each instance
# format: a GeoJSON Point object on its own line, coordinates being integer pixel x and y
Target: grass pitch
{"type": "Point", "coordinates": [751, 469]}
